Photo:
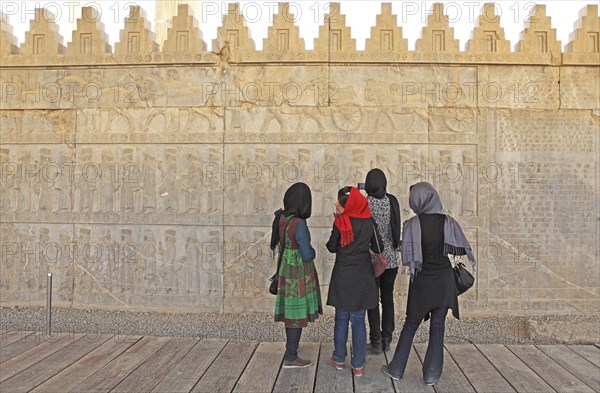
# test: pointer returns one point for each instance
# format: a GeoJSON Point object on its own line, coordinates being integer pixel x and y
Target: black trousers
{"type": "Point", "coordinates": [291, 345]}
{"type": "Point", "coordinates": [434, 357]}
{"type": "Point", "coordinates": [381, 330]}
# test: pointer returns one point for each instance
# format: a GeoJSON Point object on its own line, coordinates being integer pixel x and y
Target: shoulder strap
{"type": "Point", "coordinates": [375, 232]}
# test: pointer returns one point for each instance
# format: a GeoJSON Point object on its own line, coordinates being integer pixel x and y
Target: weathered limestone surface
{"type": "Point", "coordinates": [146, 178]}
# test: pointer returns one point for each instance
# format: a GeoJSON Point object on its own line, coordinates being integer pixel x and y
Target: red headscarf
{"type": "Point", "coordinates": [356, 206]}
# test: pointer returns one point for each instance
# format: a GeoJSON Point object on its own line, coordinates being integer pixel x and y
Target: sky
{"type": "Point", "coordinates": [360, 16]}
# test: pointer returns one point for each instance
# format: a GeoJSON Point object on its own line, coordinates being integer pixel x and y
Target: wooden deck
{"type": "Point", "coordinates": [102, 363]}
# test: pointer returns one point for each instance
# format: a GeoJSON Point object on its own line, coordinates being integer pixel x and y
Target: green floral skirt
{"type": "Point", "coordinates": [298, 296]}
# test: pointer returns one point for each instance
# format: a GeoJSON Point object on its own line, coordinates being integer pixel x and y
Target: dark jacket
{"type": "Point", "coordinates": [352, 286]}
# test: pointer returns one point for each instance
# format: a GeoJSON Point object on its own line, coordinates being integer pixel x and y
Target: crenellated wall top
{"type": "Point", "coordinates": [43, 45]}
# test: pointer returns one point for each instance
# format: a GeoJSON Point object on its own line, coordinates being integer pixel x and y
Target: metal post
{"type": "Point", "coordinates": [49, 306]}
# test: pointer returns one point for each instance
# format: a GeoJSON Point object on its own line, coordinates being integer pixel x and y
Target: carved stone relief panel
{"type": "Point", "coordinates": [142, 183]}
{"type": "Point", "coordinates": [523, 87]}
{"type": "Point", "coordinates": [403, 86]}
{"type": "Point", "coordinates": [29, 253]}
{"type": "Point", "coordinates": [149, 266]}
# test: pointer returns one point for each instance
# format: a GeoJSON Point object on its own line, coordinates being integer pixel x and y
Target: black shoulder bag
{"type": "Point", "coordinates": [275, 279]}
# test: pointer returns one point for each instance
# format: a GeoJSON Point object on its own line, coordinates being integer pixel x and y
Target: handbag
{"type": "Point", "coordinates": [275, 278]}
{"type": "Point", "coordinates": [378, 261]}
{"type": "Point", "coordinates": [464, 279]}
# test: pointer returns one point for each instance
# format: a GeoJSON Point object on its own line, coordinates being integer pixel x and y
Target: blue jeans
{"type": "Point", "coordinates": [359, 337]}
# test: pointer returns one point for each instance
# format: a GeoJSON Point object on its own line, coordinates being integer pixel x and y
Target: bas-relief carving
{"type": "Point", "coordinates": [30, 252]}
{"type": "Point", "coordinates": [534, 87]}
{"type": "Point", "coordinates": [48, 127]}
{"type": "Point", "coordinates": [152, 125]}
{"type": "Point", "coordinates": [178, 184]}
{"type": "Point", "coordinates": [321, 124]}
{"type": "Point", "coordinates": [149, 266]}
{"type": "Point", "coordinates": [265, 172]}
{"type": "Point", "coordinates": [406, 86]}
{"type": "Point", "coordinates": [36, 183]}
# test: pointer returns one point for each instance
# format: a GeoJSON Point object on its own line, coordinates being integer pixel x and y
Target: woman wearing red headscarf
{"type": "Point", "coordinates": [352, 290]}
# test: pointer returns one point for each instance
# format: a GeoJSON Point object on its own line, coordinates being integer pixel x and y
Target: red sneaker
{"type": "Point", "coordinates": [358, 372]}
{"type": "Point", "coordinates": [339, 366]}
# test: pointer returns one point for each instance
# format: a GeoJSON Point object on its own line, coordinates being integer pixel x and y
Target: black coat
{"type": "Point", "coordinates": [352, 286]}
{"type": "Point", "coordinates": [434, 285]}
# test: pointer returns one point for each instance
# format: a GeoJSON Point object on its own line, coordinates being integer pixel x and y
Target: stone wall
{"type": "Point", "coordinates": [145, 178]}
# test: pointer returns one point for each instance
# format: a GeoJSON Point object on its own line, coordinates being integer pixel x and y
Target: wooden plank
{"type": "Point", "coordinates": [373, 379]}
{"type": "Point", "coordinates": [521, 377]}
{"type": "Point", "coordinates": [183, 377]}
{"type": "Point", "coordinates": [26, 359]}
{"type": "Point", "coordinates": [16, 347]}
{"type": "Point", "coordinates": [11, 337]}
{"type": "Point", "coordinates": [412, 380]}
{"type": "Point", "coordinates": [114, 372]}
{"type": "Point", "coordinates": [261, 373]}
{"type": "Point", "coordinates": [300, 380]}
{"type": "Point", "coordinates": [51, 365]}
{"type": "Point", "coordinates": [225, 371]}
{"type": "Point", "coordinates": [149, 373]}
{"type": "Point", "coordinates": [590, 352]}
{"type": "Point", "coordinates": [329, 379]}
{"type": "Point", "coordinates": [574, 363]}
{"type": "Point", "coordinates": [555, 375]}
{"type": "Point", "coordinates": [478, 370]}
{"type": "Point", "coordinates": [72, 376]}
{"type": "Point", "coordinates": [452, 379]}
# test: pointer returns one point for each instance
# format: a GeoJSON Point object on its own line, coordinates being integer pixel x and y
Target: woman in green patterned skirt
{"type": "Point", "coordinates": [298, 294]}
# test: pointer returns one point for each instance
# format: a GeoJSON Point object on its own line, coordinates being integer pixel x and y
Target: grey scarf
{"type": "Point", "coordinates": [424, 199]}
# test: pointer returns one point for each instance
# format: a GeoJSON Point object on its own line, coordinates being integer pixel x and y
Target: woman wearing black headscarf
{"type": "Point", "coordinates": [385, 210]}
{"type": "Point", "coordinates": [298, 294]}
{"type": "Point", "coordinates": [427, 240]}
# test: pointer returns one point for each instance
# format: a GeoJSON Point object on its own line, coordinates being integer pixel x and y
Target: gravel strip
{"type": "Point", "coordinates": [510, 330]}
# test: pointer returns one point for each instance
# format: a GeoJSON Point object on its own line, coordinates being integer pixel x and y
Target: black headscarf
{"type": "Point", "coordinates": [297, 201]}
{"type": "Point", "coordinates": [375, 186]}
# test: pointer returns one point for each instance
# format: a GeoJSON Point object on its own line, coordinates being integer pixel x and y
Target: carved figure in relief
{"type": "Point", "coordinates": [87, 181]}
{"type": "Point", "coordinates": [64, 185]}
{"type": "Point", "coordinates": [128, 185]}
{"type": "Point", "coordinates": [148, 252]}
{"type": "Point", "coordinates": [27, 238]}
{"type": "Point", "coordinates": [197, 279]}
{"type": "Point", "coordinates": [108, 184]}
{"type": "Point", "coordinates": [212, 183]}
{"type": "Point", "coordinates": [108, 260]}
{"type": "Point", "coordinates": [47, 180]}
{"type": "Point", "coordinates": [212, 263]}
{"type": "Point", "coordinates": [10, 262]}
{"type": "Point", "coordinates": [468, 174]}
{"type": "Point", "coordinates": [9, 196]}
{"type": "Point", "coordinates": [87, 264]}
{"type": "Point", "coordinates": [149, 183]}
{"type": "Point", "coordinates": [262, 181]}
{"type": "Point", "coordinates": [170, 258]}
{"type": "Point", "coordinates": [27, 183]}
{"type": "Point", "coordinates": [192, 125]}
{"type": "Point", "coordinates": [129, 260]}
{"type": "Point", "coordinates": [46, 254]}
{"type": "Point", "coordinates": [10, 122]}
{"type": "Point", "coordinates": [168, 188]}
{"type": "Point", "coordinates": [446, 178]}
{"type": "Point", "coordinates": [65, 263]}
{"type": "Point", "coordinates": [192, 184]}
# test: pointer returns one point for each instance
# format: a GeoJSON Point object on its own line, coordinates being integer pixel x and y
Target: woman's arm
{"type": "Point", "coordinates": [303, 239]}
{"type": "Point", "coordinates": [334, 240]}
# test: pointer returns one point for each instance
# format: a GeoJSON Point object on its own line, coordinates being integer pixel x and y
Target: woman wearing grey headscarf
{"type": "Point", "coordinates": [427, 240]}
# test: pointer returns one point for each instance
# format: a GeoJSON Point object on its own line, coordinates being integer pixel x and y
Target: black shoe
{"type": "Point", "coordinates": [386, 346]}
{"type": "Point", "coordinates": [375, 349]}
{"type": "Point", "coordinates": [387, 372]}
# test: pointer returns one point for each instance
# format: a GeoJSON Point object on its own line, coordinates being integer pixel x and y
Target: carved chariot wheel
{"type": "Point", "coordinates": [348, 118]}
{"type": "Point", "coordinates": [460, 120]}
